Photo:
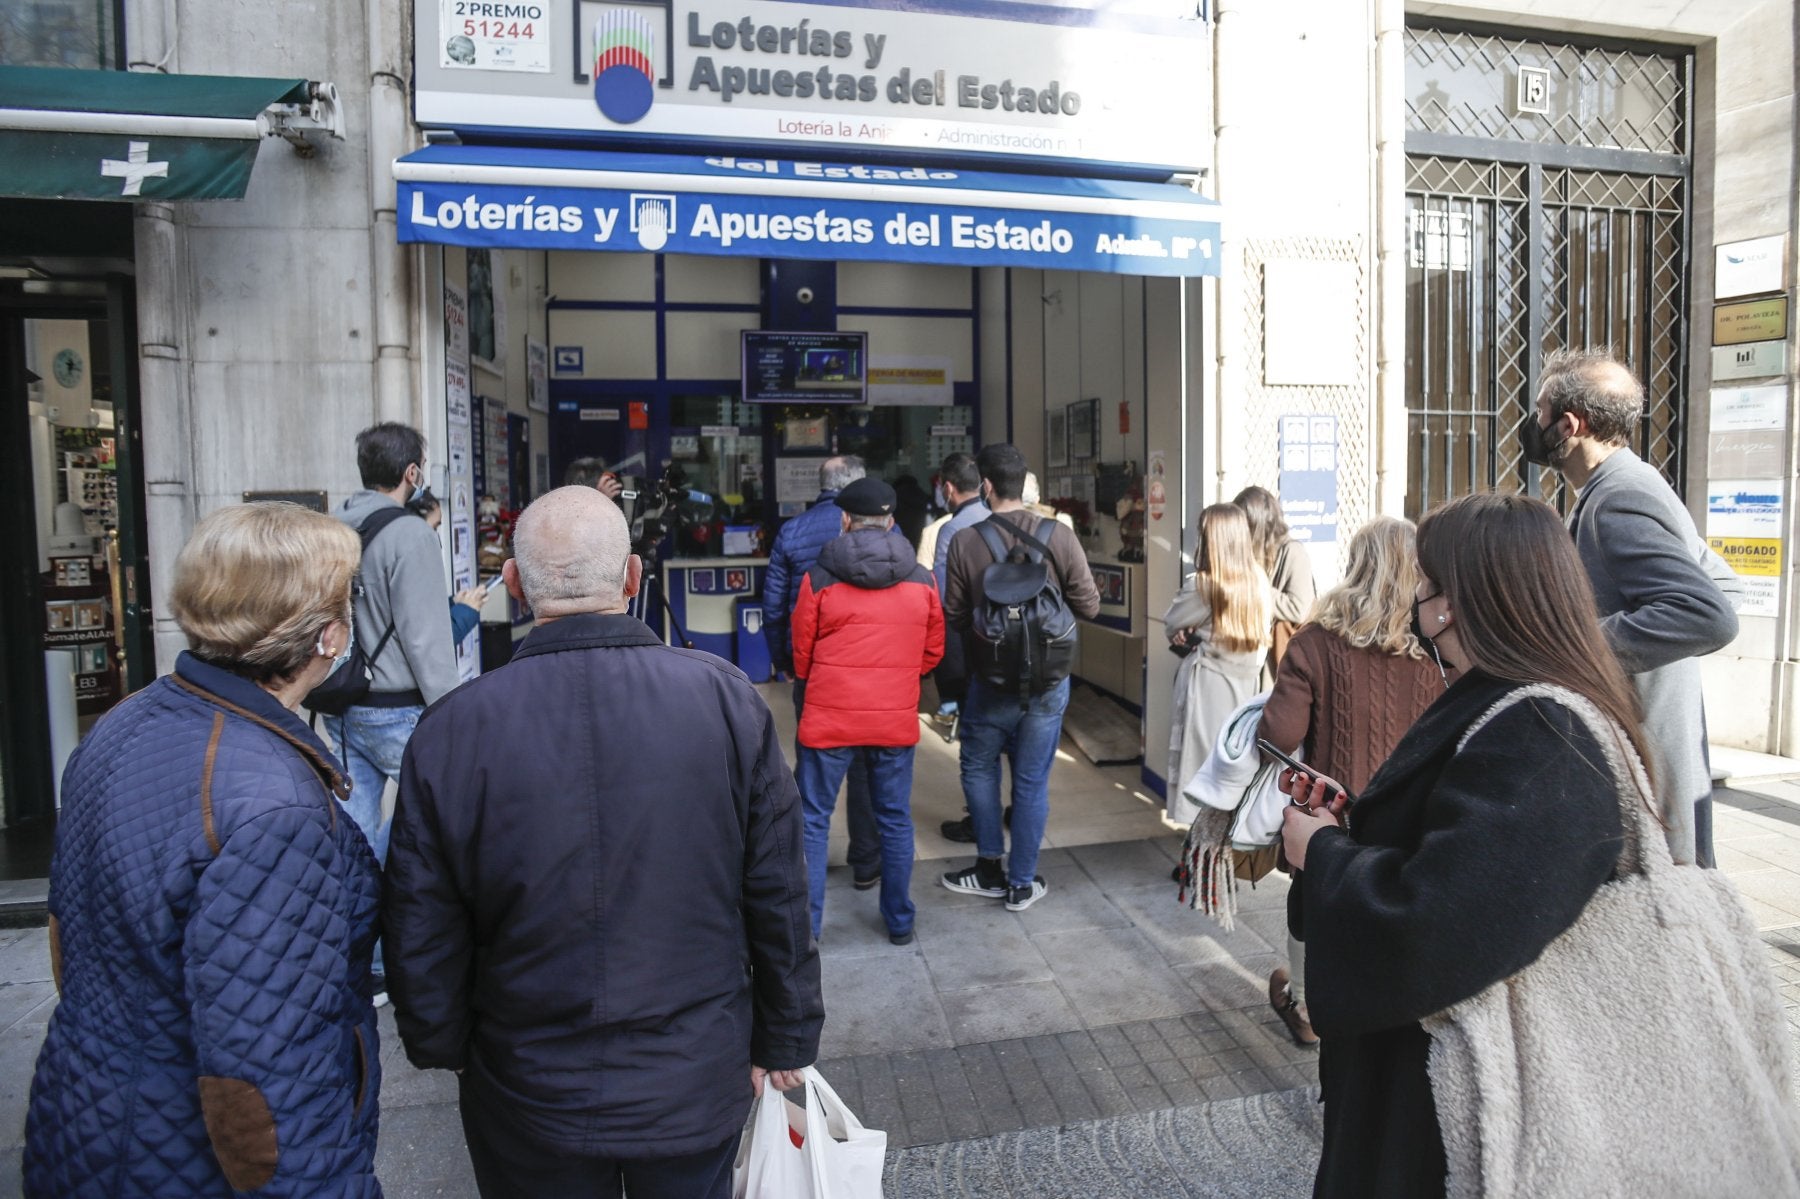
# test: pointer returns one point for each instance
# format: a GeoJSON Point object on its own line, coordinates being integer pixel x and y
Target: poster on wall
{"type": "Point", "coordinates": [1309, 477]}
{"type": "Point", "coordinates": [537, 376]}
{"type": "Point", "coordinates": [917, 380]}
{"type": "Point", "coordinates": [1744, 508]}
{"type": "Point", "coordinates": [459, 432]}
{"type": "Point", "coordinates": [487, 320]}
{"type": "Point", "coordinates": [473, 36]}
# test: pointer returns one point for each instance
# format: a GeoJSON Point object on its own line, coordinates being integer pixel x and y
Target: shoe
{"type": "Point", "coordinates": [1006, 817]}
{"type": "Point", "coordinates": [1020, 898]}
{"type": "Point", "coordinates": [905, 938]}
{"type": "Point", "coordinates": [378, 988]}
{"type": "Point", "coordinates": [985, 877]}
{"type": "Point", "coordinates": [866, 884]}
{"type": "Point", "coordinates": [1281, 998]}
{"type": "Point", "coordinates": [381, 999]}
{"type": "Point", "coordinates": [961, 831]}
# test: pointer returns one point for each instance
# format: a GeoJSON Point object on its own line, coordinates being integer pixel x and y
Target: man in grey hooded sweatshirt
{"type": "Point", "coordinates": [402, 589]}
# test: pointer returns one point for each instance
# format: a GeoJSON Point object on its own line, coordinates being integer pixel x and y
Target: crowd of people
{"type": "Point", "coordinates": [1486, 746]}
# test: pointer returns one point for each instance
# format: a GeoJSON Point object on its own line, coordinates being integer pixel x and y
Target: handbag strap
{"type": "Point", "coordinates": [1646, 849]}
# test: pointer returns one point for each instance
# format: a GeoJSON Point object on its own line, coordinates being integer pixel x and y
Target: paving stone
{"type": "Point", "coordinates": [1114, 975]}
{"type": "Point", "coordinates": [1002, 1013]}
{"type": "Point", "coordinates": [1074, 901]}
{"type": "Point", "coordinates": [989, 950]}
{"type": "Point", "coordinates": [880, 1005]}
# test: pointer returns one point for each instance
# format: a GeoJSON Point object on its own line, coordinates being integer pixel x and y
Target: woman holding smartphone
{"type": "Point", "coordinates": [1352, 682]}
{"type": "Point", "coordinates": [1219, 623]}
{"type": "Point", "coordinates": [1476, 844]}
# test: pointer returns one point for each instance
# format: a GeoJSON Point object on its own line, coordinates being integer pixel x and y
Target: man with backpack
{"type": "Point", "coordinates": [401, 626]}
{"type": "Point", "coordinates": [1012, 586]}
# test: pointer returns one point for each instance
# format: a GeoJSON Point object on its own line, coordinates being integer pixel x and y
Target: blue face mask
{"type": "Point", "coordinates": [338, 661]}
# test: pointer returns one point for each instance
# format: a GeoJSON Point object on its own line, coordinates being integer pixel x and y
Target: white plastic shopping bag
{"type": "Point", "coordinates": [821, 1152]}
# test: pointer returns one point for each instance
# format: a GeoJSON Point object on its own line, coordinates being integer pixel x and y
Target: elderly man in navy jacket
{"type": "Point", "coordinates": [597, 908]}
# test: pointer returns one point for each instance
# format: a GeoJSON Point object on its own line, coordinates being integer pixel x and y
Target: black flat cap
{"type": "Point", "coordinates": [867, 497]}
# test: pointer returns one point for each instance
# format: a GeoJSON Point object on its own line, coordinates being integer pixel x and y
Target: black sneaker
{"type": "Point", "coordinates": [1020, 898]}
{"type": "Point", "coordinates": [905, 938]}
{"type": "Point", "coordinates": [985, 877]}
{"type": "Point", "coordinates": [866, 884]}
{"type": "Point", "coordinates": [961, 831]}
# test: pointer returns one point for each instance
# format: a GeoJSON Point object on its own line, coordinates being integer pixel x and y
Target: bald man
{"type": "Point", "coordinates": [1665, 598]}
{"type": "Point", "coordinates": [596, 910]}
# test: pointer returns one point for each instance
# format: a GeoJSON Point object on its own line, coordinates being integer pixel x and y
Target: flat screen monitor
{"type": "Point", "coordinates": [805, 368]}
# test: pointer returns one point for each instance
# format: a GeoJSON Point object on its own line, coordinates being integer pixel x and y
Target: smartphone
{"type": "Point", "coordinates": [1268, 748]}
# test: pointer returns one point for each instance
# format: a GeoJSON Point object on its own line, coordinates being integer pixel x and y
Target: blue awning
{"type": "Point", "coordinates": [547, 199]}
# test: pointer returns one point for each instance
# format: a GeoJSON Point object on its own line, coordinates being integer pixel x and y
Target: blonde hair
{"type": "Point", "coordinates": [1229, 577]}
{"type": "Point", "coordinates": [1372, 607]}
{"type": "Point", "coordinates": [256, 585]}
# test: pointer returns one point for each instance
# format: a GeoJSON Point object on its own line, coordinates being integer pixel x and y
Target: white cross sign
{"type": "Point", "coordinates": [136, 168]}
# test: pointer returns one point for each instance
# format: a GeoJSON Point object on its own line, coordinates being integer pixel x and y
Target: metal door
{"type": "Point", "coordinates": [1529, 233]}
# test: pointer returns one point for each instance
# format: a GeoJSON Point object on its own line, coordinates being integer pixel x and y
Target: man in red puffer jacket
{"type": "Point", "coordinates": [867, 625]}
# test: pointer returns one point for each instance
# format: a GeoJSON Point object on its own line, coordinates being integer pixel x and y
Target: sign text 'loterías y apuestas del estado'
{"type": "Point", "coordinates": [1092, 83]}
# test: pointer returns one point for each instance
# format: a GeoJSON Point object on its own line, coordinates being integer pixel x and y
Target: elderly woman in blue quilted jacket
{"type": "Point", "coordinates": [212, 907]}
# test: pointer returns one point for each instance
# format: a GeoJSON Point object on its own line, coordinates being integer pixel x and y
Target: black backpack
{"type": "Point", "coordinates": [344, 687]}
{"type": "Point", "coordinates": [1024, 634]}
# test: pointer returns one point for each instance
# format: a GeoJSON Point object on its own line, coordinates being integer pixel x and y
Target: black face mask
{"type": "Point", "coordinates": [1418, 630]}
{"type": "Point", "coordinates": [1539, 449]}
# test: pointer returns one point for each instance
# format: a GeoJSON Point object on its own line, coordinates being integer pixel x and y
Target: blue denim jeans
{"type": "Point", "coordinates": [1027, 733]}
{"type": "Point", "coordinates": [371, 742]}
{"type": "Point", "coordinates": [865, 834]}
{"type": "Point", "coordinates": [820, 775]}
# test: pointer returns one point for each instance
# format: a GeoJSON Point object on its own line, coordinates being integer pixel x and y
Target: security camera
{"type": "Point", "coordinates": [804, 295]}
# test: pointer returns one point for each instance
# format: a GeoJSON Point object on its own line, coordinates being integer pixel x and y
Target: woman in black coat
{"type": "Point", "coordinates": [1461, 862]}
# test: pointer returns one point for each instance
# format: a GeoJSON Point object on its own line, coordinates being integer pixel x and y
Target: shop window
{"type": "Point", "coordinates": [60, 33]}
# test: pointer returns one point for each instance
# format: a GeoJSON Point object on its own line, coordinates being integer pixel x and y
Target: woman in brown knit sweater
{"type": "Point", "coordinates": [1351, 684]}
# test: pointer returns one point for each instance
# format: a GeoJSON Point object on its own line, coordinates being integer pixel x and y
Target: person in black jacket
{"type": "Point", "coordinates": [1469, 852]}
{"type": "Point", "coordinates": [596, 909]}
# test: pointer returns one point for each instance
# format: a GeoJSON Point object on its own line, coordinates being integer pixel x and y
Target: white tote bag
{"type": "Point", "coordinates": [836, 1158]}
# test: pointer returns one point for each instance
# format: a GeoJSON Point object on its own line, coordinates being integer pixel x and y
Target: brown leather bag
{"type": "Point", "coordinates": [1280, 633]}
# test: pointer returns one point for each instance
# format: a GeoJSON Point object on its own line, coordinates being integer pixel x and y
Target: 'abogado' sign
{"type": "Point", "coordinates": [1096, 83]}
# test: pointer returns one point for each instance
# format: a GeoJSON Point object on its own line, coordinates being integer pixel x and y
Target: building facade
{"type": "Point", "coordinates": [1414, 203]}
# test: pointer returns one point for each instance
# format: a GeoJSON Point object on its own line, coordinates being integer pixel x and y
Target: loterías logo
{"type": "Point", "coordinates": [624, 80]}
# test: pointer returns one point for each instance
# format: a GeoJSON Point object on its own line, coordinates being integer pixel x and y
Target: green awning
{"type": "Point", "coordinates": [118, 135]}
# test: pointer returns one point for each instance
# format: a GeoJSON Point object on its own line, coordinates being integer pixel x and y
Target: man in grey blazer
{"type": "Point", "coordinates": [1665, 598]}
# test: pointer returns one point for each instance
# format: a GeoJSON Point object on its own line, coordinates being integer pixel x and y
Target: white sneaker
{"type": "Point", "coordinates": [381, 999]}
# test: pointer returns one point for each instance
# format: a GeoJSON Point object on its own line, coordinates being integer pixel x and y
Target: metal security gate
{"type": "Point", "coordinates": [1531, 232]}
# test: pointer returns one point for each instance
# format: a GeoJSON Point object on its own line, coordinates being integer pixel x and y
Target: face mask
{"type": "Point", "coordinates": [1418, 630]}
{"type": "Point", "coordinates": [1539, 448]}
{"type": "Point", "coordinates": [338, 661]}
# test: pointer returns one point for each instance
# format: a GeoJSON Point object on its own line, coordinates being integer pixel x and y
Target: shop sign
{"type": "Point", "coordinates": [1745, 268]}
{"type": "Point", "coordinates": [1743, 508]}
{"type": "Point", "coordinates": [1756, 561]}
{"type": "Point", "coordinates": [773, 226]}
{"type": "Point", "coordinates": [1757, 360]}
{"type": "Point", "coordinates": [1075, 82]}
{"type": "Point", "coordinates": [1750, 320]}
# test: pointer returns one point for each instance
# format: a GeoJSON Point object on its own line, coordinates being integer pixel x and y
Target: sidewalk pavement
{"type": "Point", "coordinates": [1105, 1042]}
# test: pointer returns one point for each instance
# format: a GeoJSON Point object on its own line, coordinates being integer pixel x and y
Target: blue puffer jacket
{"type": "Point", "coordinates": [212, 917]}
{"type": "Point", "coordinates": [796, 548]}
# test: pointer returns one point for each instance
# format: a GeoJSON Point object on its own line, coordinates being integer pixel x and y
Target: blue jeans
{"type": "Point", "coordinates": [1027, 733]}
{"type": "Point", "coordinates": [371, 742]}
{"type": "Point", "coordinates": [865, 834]}
{"type": "Point", "coordinates": [890, 798]}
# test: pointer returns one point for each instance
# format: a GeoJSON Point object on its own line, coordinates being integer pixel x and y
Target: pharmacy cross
{"type": "Point", "coordinates": [136, 168]}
